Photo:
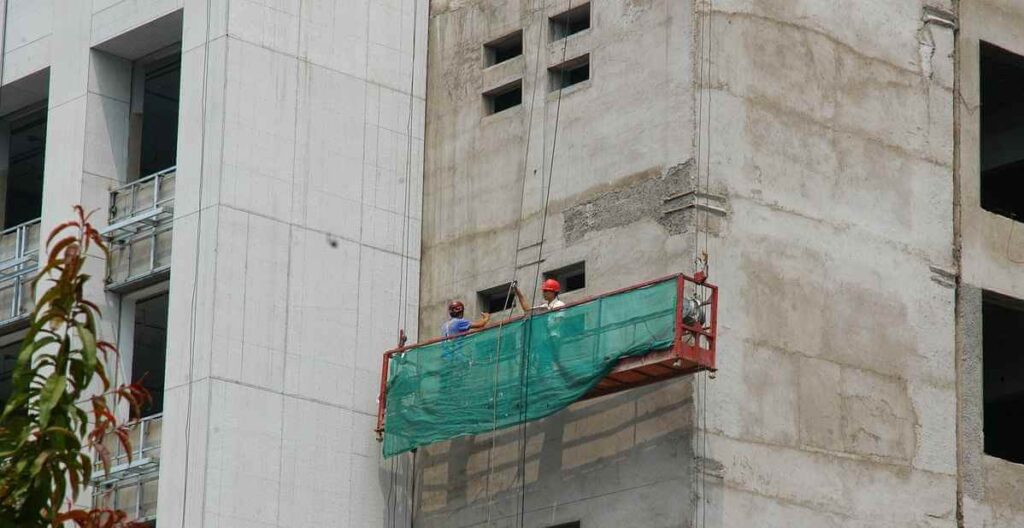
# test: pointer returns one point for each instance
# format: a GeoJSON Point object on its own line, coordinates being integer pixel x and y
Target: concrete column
{"type": "Point", "coordinates": [85, 143]}
{"type": "Point", "coordinates": [290, 247]}
{"type": "Point", "coordinates": [86, 135]}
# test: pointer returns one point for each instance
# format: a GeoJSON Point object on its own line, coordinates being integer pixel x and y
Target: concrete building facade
{"type": "Point", "coordinates": [256, 167]}
{"type": "Point", "coordinates": [852, 175]}
{"type": "Point", "coordinates": [844, 160]}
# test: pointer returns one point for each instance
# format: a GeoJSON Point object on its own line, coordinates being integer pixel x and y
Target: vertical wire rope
{"type": "Point", "coordinates": [540, 254]}
{"type": "Point", "coordinates": [405, 259]}
{"type": "Point", "coordinates": [195, 268]}
{"type": "Point", "coordinates": [515, 264]}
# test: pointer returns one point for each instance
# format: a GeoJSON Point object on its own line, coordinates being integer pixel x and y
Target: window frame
{"type": "Point", "coordinates": [492, 48]}
{"type": "Point", "coordinates": [491, 95]}
{"type": "Point", "coordinates": [140, 67]}
{"type": "Point", "coordinates": [557, 74]}
{"type": "Point", "coordinates": [126, 333]}
{"type": "Point", "coordinates": [560, 25]}
{"type": "Point", "coordinates": [561, 272]}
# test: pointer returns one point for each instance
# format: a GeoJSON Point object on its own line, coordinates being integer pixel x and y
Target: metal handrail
{"type": "Point", "coordinates": [23, 262]}
{"type": "Point", "coordinates": [140, 450]}
{"type": "Point", "coordinates": [140, 211]}
{"type": "Point", "coordinates": [111, 491]}
{"type": "Point", "coordinates": [155, 180]}
{"type": "Point", "coordinates": [700, 353]}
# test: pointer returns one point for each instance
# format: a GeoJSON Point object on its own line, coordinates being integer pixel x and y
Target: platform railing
{"type": "Point", "coordinates": [19, 261]}
{"type": "Point", "coordinates": [689, 317]}
{"type": "Point", "coordinates": [139, 230]}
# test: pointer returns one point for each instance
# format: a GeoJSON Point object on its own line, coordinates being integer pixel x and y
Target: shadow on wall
{"type": "Point", "coordinates": [591, 451]}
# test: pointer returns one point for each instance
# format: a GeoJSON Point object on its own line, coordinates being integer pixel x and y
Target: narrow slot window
{"type": "Point", "coordinates": [570, 22]}
{"type": "Point", "coordinates": [149, 349]}
{"type": "Point", "coordinates": [496, 299]}
{"type": "Point", "coordinates": [504, 97]}
{"type": "Point", "coordinates": [572, 277]}
{"type": "Point", "coordinates": [503, 49]}
{"type": "Point", "coordinates": [8, 360]}
{"type": "Point", "coordinates": [25, 164]}
{"type": "Point", "coordinates": [154, 122]}
{"type": "Point", "coordinates": [570, 72]}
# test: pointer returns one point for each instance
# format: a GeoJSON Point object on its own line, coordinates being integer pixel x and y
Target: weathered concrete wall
{"type": "Point", "coordinates": [831, 145]}
{"type": "Point", "coordinates": [990, 260]}
{"type": "Point", "coordinates": [836, 393]}
{"type": "Point", "coordinates": [624, 145]}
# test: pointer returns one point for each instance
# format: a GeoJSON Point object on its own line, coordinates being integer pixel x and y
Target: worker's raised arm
{"type": "Point", "coordinates": [481, 322]}
{"type": "Point", "coordinates": [522, 300]}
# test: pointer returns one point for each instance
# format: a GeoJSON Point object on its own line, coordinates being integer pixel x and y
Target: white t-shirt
{"type": "Point", "coordinates": [554, 304]}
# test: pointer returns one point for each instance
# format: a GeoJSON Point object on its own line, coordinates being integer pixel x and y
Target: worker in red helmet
{"type": "Point", "coordinates": [457, 324]}
{"type": "Point", "coordinates": [549, 289]}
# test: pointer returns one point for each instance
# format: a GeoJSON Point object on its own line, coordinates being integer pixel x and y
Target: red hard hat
{"type": "Point", "coordinates": [456, 307]}
{"type": "Point", "coordinates": [551, 285]}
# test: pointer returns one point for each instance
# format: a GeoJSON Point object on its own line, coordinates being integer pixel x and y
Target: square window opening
{"type": "Point", "coordinates": [503, 49]}
{"type": "Point", "coordinates": [149, 349]}
{"type": "Point", "coordinates": [570, 22]}
{"type": "Point", "coordinates": [504, 97]}
{"type": "Point", "coordinates": [496, 299]}
{"type": "Point", "coordinates": [1003, 376]}
{"type": "Point", "coordinates": [1002, 128]}
{"type": "Point", "coordinates": [154, 118]}
{"type": "Point", "coordinates": [572, 277]}
{"type": "Point", "coordinates": [23, 200]}
{"type": "Point", "coordinates": [570, 72]}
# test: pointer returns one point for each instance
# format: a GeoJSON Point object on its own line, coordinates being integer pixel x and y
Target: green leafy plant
{"type": "Point", "coordinates": [62, 403]}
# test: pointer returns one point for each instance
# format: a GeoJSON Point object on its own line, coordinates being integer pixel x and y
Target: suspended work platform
{"type": "Point", "coordinates": [531, 366]}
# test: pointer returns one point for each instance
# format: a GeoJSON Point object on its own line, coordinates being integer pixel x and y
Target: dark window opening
{"type": "Point", "coordinates": [1003, 376]}
{"type": "Point", "coordinates": [574, 524]}
{"type": "Point", "coordinates": [1002, 132]}
{"type": "Point", "coordinates": [496, 299]}
{"type": "Point", "coordinates": [503, 49]}
{"type": "Point", "coordinates": [149, 349]}
{"type": "Point", "coordinates": [8, 359]}
{"type": "Point", "coordinates": [26, 156]}
{"type": "Point", "coordinates": [158, 140]}
{"type": "Point", "coordinates": [503, 98]}
{"type": "Point", "coordinates": [572, 277]}
{"type": "Point", "coordinates": [570, 72]}
{"type": "Point", "coordinates": [570, 22]}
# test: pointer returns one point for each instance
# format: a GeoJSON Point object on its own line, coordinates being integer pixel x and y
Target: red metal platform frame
{"type": "Point", "coordinates": [692, 350]}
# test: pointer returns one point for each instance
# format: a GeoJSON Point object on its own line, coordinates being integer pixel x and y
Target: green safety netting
{"type": "Point", "coordinates": [520, 371]}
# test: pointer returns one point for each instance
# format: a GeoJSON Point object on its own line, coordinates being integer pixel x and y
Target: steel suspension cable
{"type": "Point", "coordinates": [515, 263]}
{"type": "Point", "coordinates": [521, 473]}
{"type": "Point", "coordinates": [195, 270]}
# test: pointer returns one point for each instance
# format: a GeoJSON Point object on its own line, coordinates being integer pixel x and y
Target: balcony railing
{"type": "Point", "coordinates": [139, 229]}
{"type": "Point", "coordinates": [136, 496]}
{"type": "Point", "coordinates": [19, 260]}
{"type": "Point", "coordinates": [144, 438]}
{"type": "Point", "coordinates": [131, 485]}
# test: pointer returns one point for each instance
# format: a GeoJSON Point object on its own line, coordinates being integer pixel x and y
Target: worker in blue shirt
{"type": "Point", "coordinates": [458, 324]}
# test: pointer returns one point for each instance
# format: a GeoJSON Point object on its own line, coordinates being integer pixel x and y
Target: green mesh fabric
{"type": "Point", "coordinates": [520, 371]}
